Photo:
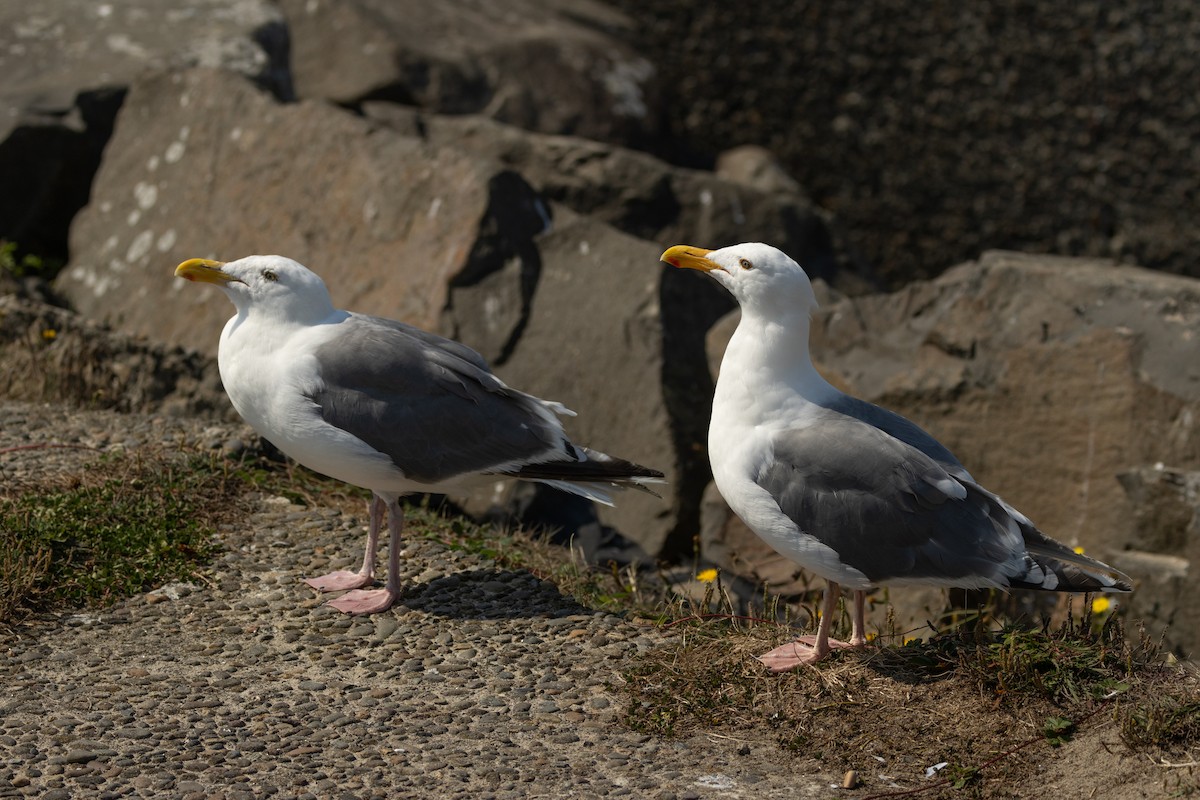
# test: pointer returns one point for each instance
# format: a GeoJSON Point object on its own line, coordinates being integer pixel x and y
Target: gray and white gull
{"type": "Point", "coordinates": [852, 492]}
{"type": "Point", "coordinates": [385, 406]}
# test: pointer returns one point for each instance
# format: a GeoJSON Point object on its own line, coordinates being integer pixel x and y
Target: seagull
{"type": "Point", "coordinates": [853, 492]}
{"type": "Point", "coordinates": [385, 406]}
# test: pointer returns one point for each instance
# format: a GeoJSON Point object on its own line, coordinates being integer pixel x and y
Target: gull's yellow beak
{"type": "Point", "coordinates": [688, 257]}
{"type": "Point", "coordinates": [204, 270]}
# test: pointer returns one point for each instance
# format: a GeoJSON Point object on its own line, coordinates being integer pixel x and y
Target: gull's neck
{"type": "Point", "coordinates": [768, 359]}
{"type": "Point", "coordinates": [275, 324]}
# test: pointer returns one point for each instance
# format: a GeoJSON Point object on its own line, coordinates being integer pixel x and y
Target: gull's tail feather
{"type": "Point", "coordinates": [1049, 565]}
{"type": "Point", "coordinates": [1056, 567]}
{"type": "Point", "coordinates": [591, 475]}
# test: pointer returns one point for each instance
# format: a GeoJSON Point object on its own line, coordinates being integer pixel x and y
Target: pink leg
{"type": "Point", "coordinates": [811, 649]}
{"type": "Point", "coordinates": [342, 579]}
{"type": "Point", "coordinates": [372, 601]}
{"type": "Point", "coordinates": [858, 637]}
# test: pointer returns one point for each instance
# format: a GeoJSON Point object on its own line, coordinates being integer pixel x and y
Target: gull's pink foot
{"type": "Point", "coordinates": [803, 650]}
{"type": "Point", "coordinates": [365, 601]}
{"type": "Point", "coordinates": [339, 581]}
{"type": "Point", "coordinates": [811, 641]}
{"type": "Point", "coordinates": [790, 656]}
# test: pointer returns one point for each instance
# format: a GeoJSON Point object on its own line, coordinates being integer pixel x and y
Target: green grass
{"type": "Point", "coordinates": [27, 264]}
{"type": "Point", "coordinates": [126, 525]}
{"type": "Point", "coordinates": [1068, 666]}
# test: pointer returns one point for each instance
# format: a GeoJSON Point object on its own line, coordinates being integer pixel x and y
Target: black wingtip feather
{"type": "Point", "coordinates": [594, 467]}
{"type": "Point", "coordinates": [1074, 572]}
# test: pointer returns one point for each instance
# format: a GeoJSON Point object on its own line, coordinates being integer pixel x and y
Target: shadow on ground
{"type": "Point", "coordinates": [490, 594]}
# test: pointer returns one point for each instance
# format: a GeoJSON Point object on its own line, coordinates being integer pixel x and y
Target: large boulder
{"type": "Point", "coordinates": [64, 68]}
{"type": "Point", "coordinates": [1047, 377]}
{"type": "Point", "coordinates": [1166, 541]}
{"type": "Point", "coordinates": [640, 194]}
{"type": "Point", "coordinates": [203, 163]}
{"type": "Point", "coordinates": [557, 66]}
{"type": "Point", "coordinates": [594, 338]}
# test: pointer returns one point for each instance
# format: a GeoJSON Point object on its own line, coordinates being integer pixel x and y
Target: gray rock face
{"type": "Point", "coordinates": [52, 50]}
{"type": "Point", "coordinates": [204, 164]}
{"type": "Point", "coordinates": [935, 137]}
{"type": "Point", "coordinates": [755, 166]}
{"type": "Point", "coordinates": [638, 193]}
{"type": "Point", "coordinates": [64, 67]}
{"type": "Point", "coordinates": [1047, 377]}
{"type": "Point", "coordinates": [593, 340]}
{"type": "Point", "coordinates": [556, 66]}
{"type": "Point", "coordinates": [1165, 542]}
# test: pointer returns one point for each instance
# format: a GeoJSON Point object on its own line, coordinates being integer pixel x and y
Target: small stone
{"type": "Point", "coordinates": [135, 733]}
{"type": "Point", "coordinates": [77, 756]}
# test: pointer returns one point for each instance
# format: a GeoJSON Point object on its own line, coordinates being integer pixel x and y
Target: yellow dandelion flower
{"type": "Point", "coordinates": [1078, 551]}
{"type": "Point", "coordinates": [707, 576]}
{"type": "Point", "coordinates": [49, 333]}
{"type": "Point", "coordinates": [1100, 605]}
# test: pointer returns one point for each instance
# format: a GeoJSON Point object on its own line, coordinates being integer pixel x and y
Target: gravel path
{"type": "Point", "coordinates": [482, 683]}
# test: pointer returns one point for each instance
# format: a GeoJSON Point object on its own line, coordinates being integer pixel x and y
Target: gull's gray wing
{"type": "Point", "coordinates": [895, 513]}
{"type": "Point", "coordinates": [431, 404]}
{"type": "Point", "coordinates": [900, 428]}
{"type": "Point", "coordinates": [888, 509]}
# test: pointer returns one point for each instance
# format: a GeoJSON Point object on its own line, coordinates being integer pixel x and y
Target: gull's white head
{"type": "Point", "coordinates": [760, 277]}
{"type": "Point", "coordinates": [273, 285]}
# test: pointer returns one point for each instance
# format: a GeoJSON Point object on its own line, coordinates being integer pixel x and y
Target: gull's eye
{"type": "Point", "coordinates": [744, 263]}
{"type": "Point", "coordinates": [269, 275]}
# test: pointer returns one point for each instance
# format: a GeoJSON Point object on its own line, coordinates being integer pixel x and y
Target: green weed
{"type": "Point", "coordinates": [25, 265]}
{"type": "Point", "coordinates": [126, 525]}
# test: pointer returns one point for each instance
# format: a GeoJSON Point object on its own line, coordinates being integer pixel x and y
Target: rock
{"type": "Point", "coordinates": [1038, 140]}
{"type": "Point", "coordinates": [640, 194]}
{"type": "Point", "coordinates": [595, 340]}
{"type": "Point", "coordinates": [1165, 545]}
{"type": "Point", "coordinates": [52, 155]}
{"type": "Point", "coordinates": [204, 164]}
{"type": "Point", "coordinates": [73, 756]}
{"type": "Point", "coordinates": [64, 67]}
{"type": "Point", "coordinates": [556, 66]}
{"type": "Point", "coordinates": [1047, 377]}
{"type": "Point", "coordinates": [1165, 511]}
{"type": "Point", "coordinates": [757, 167]}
